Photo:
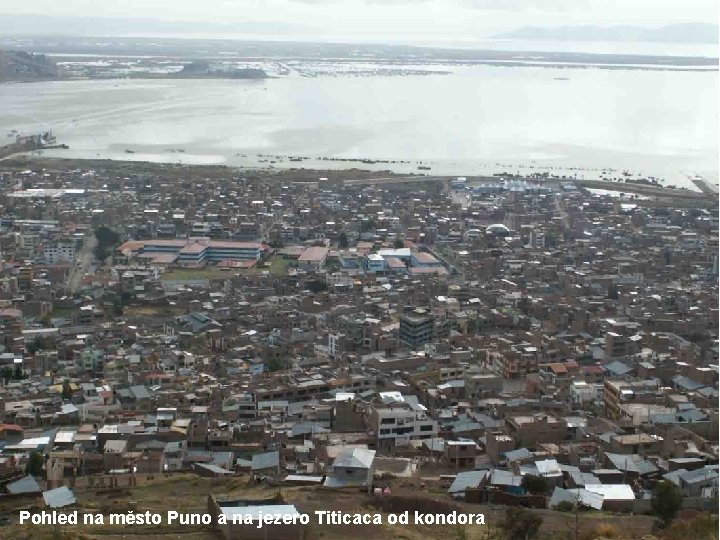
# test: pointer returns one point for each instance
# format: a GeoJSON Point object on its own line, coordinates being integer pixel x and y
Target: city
{"type": "Point", "coordinates": [331, 340]}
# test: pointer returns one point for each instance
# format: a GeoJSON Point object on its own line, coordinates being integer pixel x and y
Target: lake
{"type": "Point", "coordinates": [476, 120]}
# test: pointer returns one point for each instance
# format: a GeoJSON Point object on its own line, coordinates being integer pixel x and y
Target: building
{"type": "Point", "coordinates": [374, 263]}
{"type": "Point", "coordinates": [313, 258]}
{"type": "Point", "coordinates": [422, 259]}
{"type": "Point", "coordinates": [195, 251]}
{"type": "Point", "coordinates": [416, 328]}
{"type": "Point", "coordinates": [56, 252]}
{"type": "Point", "coordinates": [352, 467]}
{"type": "Point", "coordinates": [399, 420]}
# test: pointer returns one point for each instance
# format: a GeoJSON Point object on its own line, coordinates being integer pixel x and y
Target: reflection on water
{"type": "Point", "coordinates": [474, 121]}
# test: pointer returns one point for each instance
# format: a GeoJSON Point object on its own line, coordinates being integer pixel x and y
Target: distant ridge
{"type": "Point", "coordinates": [674, 33]}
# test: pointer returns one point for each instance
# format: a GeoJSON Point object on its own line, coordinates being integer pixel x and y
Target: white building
{"type": "Point", "coordinates": [399, 419]}
{"type": "Point", "coordinates": [57, 252]}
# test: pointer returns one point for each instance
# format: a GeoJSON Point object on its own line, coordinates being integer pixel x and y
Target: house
{"type": "Point", "coordinates": [352, 467]}
{"type": "Point", "coordinates": [267, 463]}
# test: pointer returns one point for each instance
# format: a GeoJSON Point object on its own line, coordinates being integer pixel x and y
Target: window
{"type": "Point", "coordinates": [426, 427]}
{"type": "Point", "coordinates": [386, 421]}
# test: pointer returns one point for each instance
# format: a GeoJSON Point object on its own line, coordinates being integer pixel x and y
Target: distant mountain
{"type": "Point", "coordinates": [23, 66]}
{"type": "Point", "coordinates": [674, 33]}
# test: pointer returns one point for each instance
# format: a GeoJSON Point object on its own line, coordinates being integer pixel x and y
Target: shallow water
{"type": "Point", "coordinates": [477, 120]}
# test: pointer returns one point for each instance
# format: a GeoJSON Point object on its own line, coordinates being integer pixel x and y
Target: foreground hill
{"type": "Point", "coordinates": [22, 66]}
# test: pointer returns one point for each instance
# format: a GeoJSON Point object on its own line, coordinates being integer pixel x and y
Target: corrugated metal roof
{"type": "Point", "coordinates": [213, 468]}
{"type": "Point", "coordinates": [59, 497]}
{"type": "Point", "coordinates": [356, 458]}
{"type": "Point", "coordinates": [612, 492]}
{"type": "Point", "coordinates": [24, 485]}
{"type": "Point", "coordinates": [576, 496]}
{"type": "Point", "coordinates": [266, 460]}
{"type": "Point", "coordinates": [469, 479]}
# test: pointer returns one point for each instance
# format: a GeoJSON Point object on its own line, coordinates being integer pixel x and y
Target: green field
{"type": "Point", "coordinates": [275, 265]}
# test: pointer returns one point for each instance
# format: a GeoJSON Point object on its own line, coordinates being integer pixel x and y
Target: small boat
{"type": "Point", "coordinates": [129, 151]}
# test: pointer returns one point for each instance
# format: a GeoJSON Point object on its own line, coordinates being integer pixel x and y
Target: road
{"type": "Point", "coordinates": [83, 260]}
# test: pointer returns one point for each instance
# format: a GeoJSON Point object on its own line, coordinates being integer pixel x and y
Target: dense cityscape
{"type": "Point", "coordinates": [234, 339]}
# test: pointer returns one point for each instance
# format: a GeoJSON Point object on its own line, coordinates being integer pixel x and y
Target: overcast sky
{"type": "Point", "coordinates": [464, 19]}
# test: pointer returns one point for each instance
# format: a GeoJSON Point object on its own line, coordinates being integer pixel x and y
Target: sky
{"type": "Point", "coordinates": [461, 19]}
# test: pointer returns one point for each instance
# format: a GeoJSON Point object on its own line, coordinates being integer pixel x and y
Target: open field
{"type": "Point", "coordinates": [188, 493]}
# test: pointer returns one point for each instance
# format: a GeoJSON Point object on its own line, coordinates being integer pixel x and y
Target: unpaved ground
{"type": "Point", "coordinates": [188, 493]}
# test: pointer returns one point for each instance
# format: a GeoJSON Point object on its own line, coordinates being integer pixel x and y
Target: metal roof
{"type": "Point", "coordinates": [576, 496]}
{"type": "Point", "coordinates": [59, 497]}
{"type": "Point", "coordinates": [213, 468]}
{"type": "Point", "coordinates": [469, 479]}
{"type": "Point", "coordinates": [612, 492]}
{"type": "Point", "coordinates": [24, 485]}
{"type": "Point", "coordinates": [265, 460]}
{"type": "Point", "coordinates": [355, 458]}
{"type": "Point", "coordinates": [631, 463]}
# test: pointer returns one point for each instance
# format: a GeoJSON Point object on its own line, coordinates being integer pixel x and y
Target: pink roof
{"type": "Point", "coordinates": [314, 254]}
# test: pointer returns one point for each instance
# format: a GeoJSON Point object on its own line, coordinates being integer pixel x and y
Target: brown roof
{"type": "Point", "coordinates": [314, 254]}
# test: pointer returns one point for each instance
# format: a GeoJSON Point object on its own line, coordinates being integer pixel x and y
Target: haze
{"type": "Point", "coordinates": [388, 20]}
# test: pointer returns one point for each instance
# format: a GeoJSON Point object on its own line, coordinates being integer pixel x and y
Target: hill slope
{"type": "Point", "coordinates": [22, 66]}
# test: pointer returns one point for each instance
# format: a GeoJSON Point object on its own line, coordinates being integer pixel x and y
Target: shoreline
{"type": "Point", "coordinates": [356, 176]}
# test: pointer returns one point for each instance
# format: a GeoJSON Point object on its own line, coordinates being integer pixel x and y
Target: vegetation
{"type": "Point", "coordinates": [520, 524]}
{"type": "Point", "coordinates": [9, 374]}
{"type": "Point", "coordinates": [66, 390]}
{"type": "Point", "coordinates": [536, 485]}
{"type": "Point", "coordinates": [666, 501]}
{"type": "Point", "coordinates": [35, 464]}
{"type": "Point", "coordinates": [703, 527]}
{"type": "Point", "coordinates": [107, 239]}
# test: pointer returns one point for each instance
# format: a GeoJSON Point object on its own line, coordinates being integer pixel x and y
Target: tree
{"type": "Point", "coordinates": [520, 524]}
{"type": "Point", "coordinates": [35, 464]}
{"type": "Point", "coordinates": [399, 243]}
{"type": "Point", "coordinates": [666, 501]}
{"type": "Point", "coordinates": [342, 240]}
{"type": "Point", "coordinates": [316, 286]}
{"type": "Point", "coordinates": [66, 390]}
{"type": "Point", "coordinates": [107, 239]}
{"type": "Point", "coordinates": [537, 485]}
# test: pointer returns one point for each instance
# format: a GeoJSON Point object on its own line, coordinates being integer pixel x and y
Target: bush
{"type": "Point", "coordinates": [605, 530]}
{"type": "Point", "coordinates": [702, 527]}
{"type": "Point", "coordinates": [520, 524]}
{"type": "Point", "coordinates": [666, 501]}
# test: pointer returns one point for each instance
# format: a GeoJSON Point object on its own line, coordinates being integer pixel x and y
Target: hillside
{"type": "Point", "coordinates": [22, 66]}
